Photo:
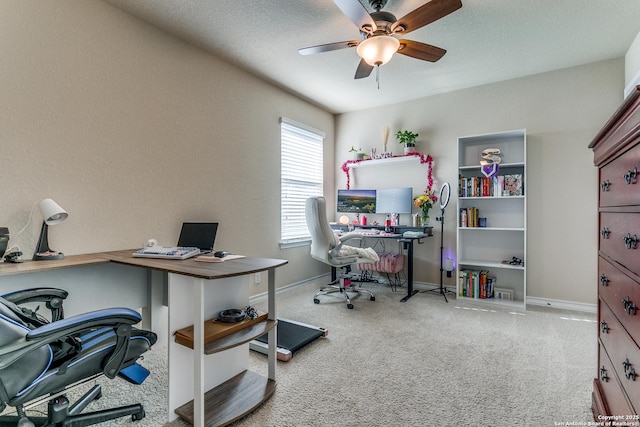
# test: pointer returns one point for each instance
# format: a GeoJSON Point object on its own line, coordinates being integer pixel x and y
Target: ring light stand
{"type": "Point", "coordinates": [445, 194]}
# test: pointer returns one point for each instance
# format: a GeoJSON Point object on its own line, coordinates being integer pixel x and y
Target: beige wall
{"type": "Point", "coordinates": [133, 131]}
{"type": "Point", "coordinates": [109, 116]}
{"type": "Point", "coordinates": [562, 111]}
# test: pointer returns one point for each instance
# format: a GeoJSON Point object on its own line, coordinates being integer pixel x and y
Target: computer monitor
{"type": "Point", "coordinates": [356, 201]}
{"type": "Point", "coordinates": [394, 200]}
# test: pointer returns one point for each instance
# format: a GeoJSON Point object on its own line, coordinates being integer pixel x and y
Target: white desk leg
{"type": "Point", "coordinates": [198, 353]}
{"type": "Point", "coordinates": [272, 337]}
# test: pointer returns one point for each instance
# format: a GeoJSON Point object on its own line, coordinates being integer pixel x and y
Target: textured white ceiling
{"type": "Point", "coordinates": [486, 41]}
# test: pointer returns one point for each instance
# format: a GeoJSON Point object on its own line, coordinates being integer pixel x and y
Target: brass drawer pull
{"type": "Point", "coordinates": [604, 232]}
{"type": "Point", "coordinates": [603, 374]}
{"type": "Point", "coordinates": [631, 176]}
{"type": "Point", "coordinates": [604, 280]}
{"type": "Point", "coordinates": [606, 184]}
{"type": "Point", "coordinates": [630, 242]}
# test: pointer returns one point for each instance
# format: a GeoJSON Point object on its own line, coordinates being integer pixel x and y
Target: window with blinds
{"type": "Point", "coordinates": [301, 177]}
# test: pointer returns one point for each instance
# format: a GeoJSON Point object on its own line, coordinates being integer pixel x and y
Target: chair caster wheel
{"type": "Point", "coordinates": [316, 301]}
{"type": "Point", "coordinates": [350, 306]}
{"type": "Point", "coordinates": [137, 417]}
{"type": "Point", "coordinates": [372, 298]}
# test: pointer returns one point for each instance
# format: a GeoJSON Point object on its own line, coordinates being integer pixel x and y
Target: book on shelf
{"type": "Point", "coordinates": [497, 186]}
{"type": "Point", "coordinates": [476, 284]}
{"type": "Point", "coordinates": [469, 217]}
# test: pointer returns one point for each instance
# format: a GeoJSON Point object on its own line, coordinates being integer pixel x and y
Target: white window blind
{"type": "Point", "coordinates": [301, 178]}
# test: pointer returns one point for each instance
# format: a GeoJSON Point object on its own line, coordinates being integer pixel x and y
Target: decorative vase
{"type": "Point", "coordinates": [424, 219]}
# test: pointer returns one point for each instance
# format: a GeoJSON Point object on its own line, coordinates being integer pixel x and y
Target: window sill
{"type": "Point", "coordinates": [287, 245]}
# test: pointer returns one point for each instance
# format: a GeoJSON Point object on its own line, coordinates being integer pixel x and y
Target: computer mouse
{"type": "Point", "coordinates": [220, 254]}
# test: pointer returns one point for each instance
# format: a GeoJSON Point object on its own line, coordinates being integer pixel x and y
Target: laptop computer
{"type": "Point", "coordinates": [201, 235]}
{"type": "Point", "coordinates": [196, 238]}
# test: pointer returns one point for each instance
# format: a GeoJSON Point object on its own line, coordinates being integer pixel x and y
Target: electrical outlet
{"type": "Point", "coordinates": [257, 278]}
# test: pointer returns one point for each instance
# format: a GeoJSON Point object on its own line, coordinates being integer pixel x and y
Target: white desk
{"type": "Point", "coordinates": [196, 291]}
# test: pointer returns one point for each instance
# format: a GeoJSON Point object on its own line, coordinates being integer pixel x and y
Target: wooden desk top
{"type": "Point", "coordinates": [193, 268]}
{"type": "Point", "coordinates": [7, 268]}
{"type": "Point", "coordinates": [187, 267]}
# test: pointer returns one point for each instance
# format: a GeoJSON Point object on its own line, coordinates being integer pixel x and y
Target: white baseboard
{"type": "Point", "coordinates": [320, 280]}
{"type": "Point", "coordinates": [424, 286]}
{"type": "Point", "coordinates": [565, 305]}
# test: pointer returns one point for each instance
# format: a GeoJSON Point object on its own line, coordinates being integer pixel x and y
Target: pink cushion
{"type": "Point", "coordinates": [388, 263]}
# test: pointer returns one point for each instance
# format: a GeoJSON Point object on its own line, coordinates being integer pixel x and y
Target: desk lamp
{"type": "Point", "coordinates": [52, 214]}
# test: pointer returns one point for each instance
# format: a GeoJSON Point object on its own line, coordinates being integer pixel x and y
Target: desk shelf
{"type": "Point", "coordinates": [237, 338]}
{"type": "Point", "coordinates": [223, 405]}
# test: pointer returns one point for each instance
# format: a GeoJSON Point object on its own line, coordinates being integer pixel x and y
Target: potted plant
{"type": "Point", "coordinates": [358, 154]}
{"type": "Point", "coordinates": [407, 138]}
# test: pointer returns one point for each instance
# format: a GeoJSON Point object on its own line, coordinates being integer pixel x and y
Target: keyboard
{"type": "Point", "coordinates": [167, 252]}
{"type": "Point", "coordinates": [366, 231]}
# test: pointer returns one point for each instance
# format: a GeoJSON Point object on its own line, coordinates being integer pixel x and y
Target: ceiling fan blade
{"type": "Point", "coordinates": [327, 47]}
{"type": "Point", "coordinates": [425, 14]}
{"type": "Point", "coordinates": [423, 51]}
{"type": "Point", "coordinates": [356, 12]}
{"type": "Point", "coordinates": [363, 70]}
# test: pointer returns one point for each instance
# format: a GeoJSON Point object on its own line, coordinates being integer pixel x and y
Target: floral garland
{"type": "Point", "coordinates": [423, 159]}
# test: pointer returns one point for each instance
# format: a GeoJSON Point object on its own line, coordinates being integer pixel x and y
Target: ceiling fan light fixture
{"type": "Point", "coordinates": [378, 50]}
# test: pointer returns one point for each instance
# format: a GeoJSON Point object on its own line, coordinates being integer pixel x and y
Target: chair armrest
{"type": "Point", "coordinates": [349, 236]}
{"type": "Point", "coordinates": [90, 320]}
{"type": "Point", "coordinates": [35, 294]}
{"type": "Point", "coordinates": [121, 319]}
{"type": "Point", "coordinates": [53, 298]}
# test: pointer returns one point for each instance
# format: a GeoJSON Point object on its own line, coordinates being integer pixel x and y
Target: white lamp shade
{"type": "Point", "coordinates": [52, 212]}
{"type": "Point", "coordinates": [378, 50]}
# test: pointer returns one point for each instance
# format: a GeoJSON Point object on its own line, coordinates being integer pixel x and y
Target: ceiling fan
{"type": "Point", "coordinates": [379, 28]}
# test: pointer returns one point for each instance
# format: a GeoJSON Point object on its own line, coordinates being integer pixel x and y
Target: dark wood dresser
{"type": "Point", "coordinates": [616, 148]}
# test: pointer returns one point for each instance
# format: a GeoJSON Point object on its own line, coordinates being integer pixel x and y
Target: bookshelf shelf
{"type": "Point", "coordinates": [503, 213]}
{"type": "Point", "coordinates": [491, 198]}
{"type": "Point", "coordinates": [502, 165]}
{"type": "Point", "coordinates": [493, 228]}
{"type": "Point", "coordinates": [490, 264]}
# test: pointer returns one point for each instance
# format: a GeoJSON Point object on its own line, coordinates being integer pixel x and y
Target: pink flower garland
{"type": "Point", "coordinates": [423, 159]}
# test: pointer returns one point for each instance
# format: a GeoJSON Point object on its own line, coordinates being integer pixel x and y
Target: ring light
{"type": "Point", "coordinates": [445, 194]}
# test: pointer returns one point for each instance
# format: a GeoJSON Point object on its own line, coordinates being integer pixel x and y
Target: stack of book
{"type": "Point", "coordinates": [476, 284]}
{"type": "Point", "coordinates": [497, 186]}
{"type": "Point", "coordinates": [469, 217]}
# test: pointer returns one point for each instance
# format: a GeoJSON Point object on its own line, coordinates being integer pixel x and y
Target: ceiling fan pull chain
{"type": "Point", "coordinates": [378, 76]}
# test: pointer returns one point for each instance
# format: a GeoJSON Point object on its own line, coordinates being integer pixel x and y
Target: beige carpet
{"type": "Point", "coordinates": [423, 362]}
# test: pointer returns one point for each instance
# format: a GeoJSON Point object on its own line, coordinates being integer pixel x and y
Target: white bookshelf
{"type": "Point", "coordinates": [505, 234]}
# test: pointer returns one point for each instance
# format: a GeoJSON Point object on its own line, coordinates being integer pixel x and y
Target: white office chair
{"type": "Point", "coordinates": [325, 247]}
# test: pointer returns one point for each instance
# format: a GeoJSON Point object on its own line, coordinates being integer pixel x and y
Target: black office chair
{"type": "Point", "coordinates": [44, 358]}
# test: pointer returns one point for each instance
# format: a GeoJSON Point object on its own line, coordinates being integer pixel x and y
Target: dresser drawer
{"type": "Point", "coordinates": [623, 353]}
{"type": "Point", "coordinates": [619, 238]}
{"type": "Point", "coordinates": [621, 294]}
{"type": "Point", "coordinates": [620, 180]}
{"type": "Point", "coordinates": [616, 399]}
